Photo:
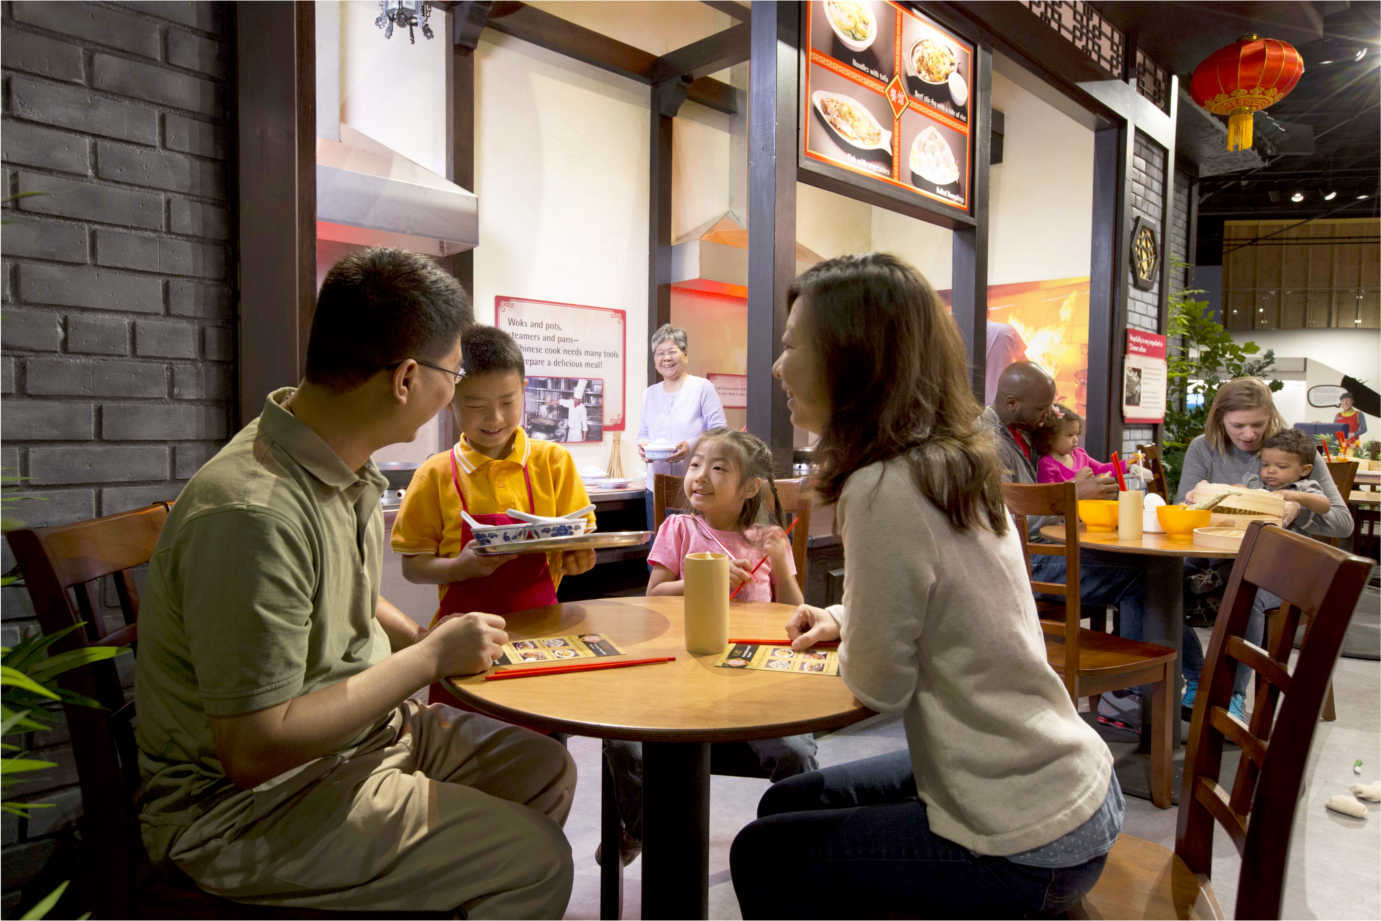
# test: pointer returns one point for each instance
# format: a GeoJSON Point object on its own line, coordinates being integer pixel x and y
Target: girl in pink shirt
{"type": "Point", "coordinates": [725, 484]}
{"type": "Point", "coordinates": [1058, 444]}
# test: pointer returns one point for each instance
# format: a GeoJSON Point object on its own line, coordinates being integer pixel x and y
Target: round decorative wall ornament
{"type": "Point", "coordinates": [1145, 254]}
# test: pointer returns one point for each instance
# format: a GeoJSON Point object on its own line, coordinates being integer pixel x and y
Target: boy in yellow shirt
{"type": "Point", "coordinates": [493, 467]}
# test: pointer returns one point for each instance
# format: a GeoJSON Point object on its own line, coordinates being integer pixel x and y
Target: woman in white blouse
{"type": "Point", "coordinates": [676, 410]}
{"type": "Point", "coordinates": [1003, 803]}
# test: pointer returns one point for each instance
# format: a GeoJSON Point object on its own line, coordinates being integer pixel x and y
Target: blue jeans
{"type": "Point", "coordinates": [1104, 579]}
{"type": "Point", "coordinates": [1192, 659]}
{"type": "Point", "coordinates": [853, 841]}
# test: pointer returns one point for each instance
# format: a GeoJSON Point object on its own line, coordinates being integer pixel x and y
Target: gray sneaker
{"type": "Point", "coordinates": [1121, 710]}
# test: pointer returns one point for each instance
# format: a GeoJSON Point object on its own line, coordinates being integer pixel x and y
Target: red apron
{"type": "Point", "coordinates": [515, 586]}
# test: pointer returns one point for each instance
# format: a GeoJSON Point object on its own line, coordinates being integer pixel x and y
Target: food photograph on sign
{"type": "Point", "coordinates": [859, 33]}
{"type": "Point", "coordinates": [937, 156]}
{"type": "Point", "coordinates": [887, 96]}
{"type": "Point", "coordinates": [938, 67]}
{"type": "Point", "coordinates": [853, 124]}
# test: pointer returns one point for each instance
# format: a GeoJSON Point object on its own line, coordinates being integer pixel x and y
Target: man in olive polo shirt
{"type": "Point", "coordinates": [283, 760]}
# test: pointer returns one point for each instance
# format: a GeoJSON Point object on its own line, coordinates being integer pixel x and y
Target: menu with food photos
{"type": "Point", "coordinates": [781, 659]}
{"type": "Point", "coordinates": [557, 649]}
{"type": "Point", "coordinates": [887, 96]}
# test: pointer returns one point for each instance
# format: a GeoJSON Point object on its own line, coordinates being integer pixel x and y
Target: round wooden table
{"type": "Point", "coordinates": [676, 709]}
{"type": "Point", "coordinates": [1163, 578]}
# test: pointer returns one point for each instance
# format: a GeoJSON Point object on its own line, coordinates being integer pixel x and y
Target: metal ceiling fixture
{"type": "Point", "coordinates": [407, 14]}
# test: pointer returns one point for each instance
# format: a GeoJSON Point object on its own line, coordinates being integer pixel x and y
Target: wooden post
{"type": "Point", "coordinates": [772, 90]}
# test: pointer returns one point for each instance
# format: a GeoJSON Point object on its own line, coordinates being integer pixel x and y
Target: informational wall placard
{"type": "Point", "coordinates": [888, 97]}
{"type": "Point", "coordinates": [1143, 378]}
{"type": "Point", "coordinates": [732, 389]}
{"type": "Point", "coordinates": [568, 344]}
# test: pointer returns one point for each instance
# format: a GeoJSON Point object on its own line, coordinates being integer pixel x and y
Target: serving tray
{"type": "Point", "coordinates": [595, 540]}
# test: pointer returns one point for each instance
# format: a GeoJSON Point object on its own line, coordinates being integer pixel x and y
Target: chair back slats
{"type": "Point", "coordinates": [61, 564]}
{"type": "Point", "coordinates": [1315, 581]}
{"type": "Point", "coordinates": [1026, 500]}
{"type": "Point", "coordinates": [1253, 748]}
{"type": "Point", "coordinates": [1151, 454]}
{"type": "Point", "coordinates": [1259, 661]}
{"type": "Point", "coordinates": [1343, 473]}
{"type": "Point", "coordinates": [1210, 795]}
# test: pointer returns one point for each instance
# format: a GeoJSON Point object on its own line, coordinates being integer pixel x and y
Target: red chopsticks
{"type": "Point", "coordinates": [760, 562]}
{"type": "Point", "coordinates": [1117, 469]}
{"type": "Point", "coordinates": [827, 644]}
{"type": "Point", "coordinates": [573, 667]}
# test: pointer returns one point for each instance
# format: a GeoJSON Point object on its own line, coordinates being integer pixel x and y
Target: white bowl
{"type": "Point", "coordinates": [490, 535]}
{"type": "Point", "coordinates": [848, 41]}
{"type": "Point", "coordinates": [559, 528]}
{"type": "Point", "coordinates": [658, 450]}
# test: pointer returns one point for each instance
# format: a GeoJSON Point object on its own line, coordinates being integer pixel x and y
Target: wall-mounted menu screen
{"type": "Point", "coordinates": [887, 97]}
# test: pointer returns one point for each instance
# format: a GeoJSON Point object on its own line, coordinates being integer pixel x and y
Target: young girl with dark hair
{"type": "Point", "coordinates": [1004, 803]}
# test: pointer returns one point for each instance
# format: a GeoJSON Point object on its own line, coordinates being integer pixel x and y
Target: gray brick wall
{"type": "Point", "coordinates": [1143, 307]}
{"type": "Point", "coordinates": [117, 328]}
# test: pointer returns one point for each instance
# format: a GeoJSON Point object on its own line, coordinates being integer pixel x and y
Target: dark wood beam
{"type": "Point", "coordinates": [707, 56]}
{"type": "Point", "coordinates": [468, 20]}
{"type": "Point", "coordinates": [1108, 281]}
{"type": "Point", "coordinates": [969, 285]}
{"type": "Point", "coordinates": [716, 95]}
{"type": "Point", "coordinates": [772, 89]}
{"type": "Point", "coordinates": [275, 63]}
{"type": "Point", "coordinates": [729, 7]}
{"type": "Point", "coordinates": [565, 37]}
{"type": "Point", "coordinates": [664, 95]}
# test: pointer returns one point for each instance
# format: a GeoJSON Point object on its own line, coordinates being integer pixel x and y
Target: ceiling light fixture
{"type": "Point", "coordinates": [1297, 197]}
{"type": "Point", "coordinates": [1363, 197]}
{"type": "Point", "coordinates": [1330, 196]}
{"type": "Point", "coordinates": [1361, 53]}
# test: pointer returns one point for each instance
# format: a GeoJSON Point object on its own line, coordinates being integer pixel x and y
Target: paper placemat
{"type": "Point", "coordinates": [557, 649]}
{"type": "Point", "coordinates": [781, 659]}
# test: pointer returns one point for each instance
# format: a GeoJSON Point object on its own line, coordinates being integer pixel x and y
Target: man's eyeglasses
{"type": "Point", "coordinates": [458, 375]}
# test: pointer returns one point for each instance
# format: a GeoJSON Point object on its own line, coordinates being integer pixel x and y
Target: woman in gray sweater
{"type": "Point", "coordinates": [1240, 419]}
{"type": "Point", "coordinates": [1003, 803]}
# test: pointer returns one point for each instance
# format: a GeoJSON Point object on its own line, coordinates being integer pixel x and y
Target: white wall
{"type": "Point", "coordinates": [1041, 195]}
{"type": "Point", "coordinates": [699, 168]}
{"type": "Point", "coordinates": [392, 91]}
{"type": "Point", "coordinates": [1356, 352]}
{"type": "Point", "coordinates": [561, 170]}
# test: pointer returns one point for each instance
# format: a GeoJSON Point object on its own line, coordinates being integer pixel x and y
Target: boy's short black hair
{"type": "Point", "coordinates": [1295, 442]}
{"type": "Point", "coordinates": [487, 348]}
{"type": "Point", "coordinates": [377, 307]}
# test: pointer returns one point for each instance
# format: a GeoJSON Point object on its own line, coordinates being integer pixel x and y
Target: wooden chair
{"type": "Point", "coordinates": [667, 494]}
{"type": "Point", "coordinates": [64, 567]}
{"type": "Point", "coordinates": [1091, 662]}
{"type": "Point", "coordinates": [1145, 880]}
{"type": "Point", "coordinates": [1152, 461]}
{"type": "Point", "coordinates": [1343, 473]}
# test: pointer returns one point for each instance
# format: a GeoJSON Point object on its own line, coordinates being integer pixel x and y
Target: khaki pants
{"type": "Point", "coordinates": [436, 809]}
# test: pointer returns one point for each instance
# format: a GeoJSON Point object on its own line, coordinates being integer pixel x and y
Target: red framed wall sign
{"type": "Point", "coordinates": [572, 341]}
{"type": "Point", "coordinates": [732, 388]}
{"type": "Point", "coordinates": [1143, 378]}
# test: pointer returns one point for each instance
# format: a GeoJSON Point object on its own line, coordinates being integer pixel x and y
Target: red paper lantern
{"type": "Point", "coordinates": [1248, 75]}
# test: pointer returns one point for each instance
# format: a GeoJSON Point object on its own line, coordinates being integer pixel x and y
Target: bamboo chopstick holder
{"type": "Point", "coordinates": [574, 667]}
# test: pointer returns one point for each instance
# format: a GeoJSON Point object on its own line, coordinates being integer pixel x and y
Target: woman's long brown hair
{"type": "Point", "coordinates": [899, 385]}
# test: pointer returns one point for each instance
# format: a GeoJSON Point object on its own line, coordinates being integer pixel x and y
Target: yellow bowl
{"type": "Point", "coordinates": [1179, 522]}
{"type": "Point", "coordinates": [1098, 514]}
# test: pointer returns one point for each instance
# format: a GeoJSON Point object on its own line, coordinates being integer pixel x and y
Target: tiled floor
{"type": "Point", "coordinates": [1333, 860]}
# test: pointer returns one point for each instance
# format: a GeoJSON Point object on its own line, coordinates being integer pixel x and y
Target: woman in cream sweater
{"type": "Point", "coordinates": [1004, 803]}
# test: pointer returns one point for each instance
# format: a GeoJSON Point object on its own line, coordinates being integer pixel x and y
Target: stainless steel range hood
{"type": "Point", "coordinates": [368, 194]}
{"type": "Point", "coordinates": [714, 258]}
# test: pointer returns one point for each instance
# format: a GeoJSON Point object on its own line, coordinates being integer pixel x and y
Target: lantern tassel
{"type": "Point", "coordinates": [1240, 130]}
